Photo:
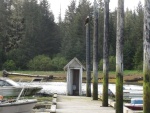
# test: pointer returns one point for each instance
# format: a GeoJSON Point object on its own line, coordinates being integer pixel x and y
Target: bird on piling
{"type": "Point", "coordinates": [87, 20]}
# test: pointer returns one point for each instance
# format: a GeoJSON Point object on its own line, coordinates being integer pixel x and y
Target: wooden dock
{"type": "Point", "coordinates": [80, 104]}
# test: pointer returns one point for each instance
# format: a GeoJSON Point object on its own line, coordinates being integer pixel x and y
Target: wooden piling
{"type": "Point", "coordinates": [119, 57]}
{"type": "Point", "coordinates": [88, 63]}
{"type": "Point", "coordinates": [146, 56]}
{"type": "Point", "coordinates": [105, 54]}
{"type": "Point", "coordinates": [95, 53]}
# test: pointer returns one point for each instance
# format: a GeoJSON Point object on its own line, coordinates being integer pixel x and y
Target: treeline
{"type": "Point", "coordinates": [31, 39]}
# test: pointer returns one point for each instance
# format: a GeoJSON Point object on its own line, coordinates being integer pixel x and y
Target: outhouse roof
{"type": "Point", "coordinates": [74, 63]}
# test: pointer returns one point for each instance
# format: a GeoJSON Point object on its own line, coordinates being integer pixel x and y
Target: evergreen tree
{"type": "Point", "coordinates": [5, 7]}
{"type": "Point", "coordinates": [138, 57]}
{"type": "Point", "coordinates": [27, 29]}
{"type": "Point", "coordinates": [49, 32]}
{"type": "Point", "coordinates": [66, 44]}
{"type": "Point", "coordinates": [129, 49]}
{"type": "Point", "coordinates": [73, 43]}
{"type": "Point", "coordinates": [16, 25]}
{"type": "Point", "coordinates": [112, 32]}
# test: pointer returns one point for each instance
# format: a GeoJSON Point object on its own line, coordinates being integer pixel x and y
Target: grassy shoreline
{"type": "Point", "coordinates": [60, 76]}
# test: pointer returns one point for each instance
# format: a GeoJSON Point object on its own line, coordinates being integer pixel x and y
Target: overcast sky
{"type": "Point", "coordinates": [55, 5]}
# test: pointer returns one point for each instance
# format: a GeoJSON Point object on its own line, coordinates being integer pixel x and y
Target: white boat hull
{"type": "Point", "coordinates": [9, 91]}
{"type": "Point", "coordinates": [21, 106]}
{"type": "Point", "coordinates": [14, 91]}
{"type": "Point", "coordinates": [9, 87]}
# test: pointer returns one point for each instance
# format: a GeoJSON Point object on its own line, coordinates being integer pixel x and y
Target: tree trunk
{"type": "Point", "coordinates": [95, 54]}
{"type": "Point", "coordinates": [146, 65]}
{"type": "Point", "coordinates": [105, 54]}
{"type": "Point", "coordinates": [119, 57]}
{"type": "Point", "coordinates": [88, 64]}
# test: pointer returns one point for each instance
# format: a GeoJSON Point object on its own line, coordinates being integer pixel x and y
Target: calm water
{"type": "Point", "coordinates": [60, 87]}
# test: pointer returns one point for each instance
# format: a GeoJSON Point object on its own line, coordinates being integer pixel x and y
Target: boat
{"type": "Point", "coordinates": [9, 87]}
{"type": "Point", "coordinates": [136, 104]}
{"type": "Point", "coordinates": [129, 91]}
{"type": "Point", "coordinates": [20, 106]}
{"type": "Point", "coordinates": [17, 105]}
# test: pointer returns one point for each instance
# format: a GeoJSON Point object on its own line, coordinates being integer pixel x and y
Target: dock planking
{"type": "Point", "coordinates": [81, 104]}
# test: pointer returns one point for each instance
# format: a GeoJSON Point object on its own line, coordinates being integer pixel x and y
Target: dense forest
{"type": "Point", "coordinates": [30, 39]}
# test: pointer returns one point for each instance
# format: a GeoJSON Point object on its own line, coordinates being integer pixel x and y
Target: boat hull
{"type": "Point", "coordinates": [14, 91]}
{"type": "Point", "coordinates": [21, 106]}
{"type": "Point", "coordinates": [135, 107]}
{"type": "Point", "coordinates": [9, 91]}
{"type": "Point", "coordinates": [9, 87]}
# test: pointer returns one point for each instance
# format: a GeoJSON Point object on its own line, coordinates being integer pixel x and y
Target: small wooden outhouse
{"type": "Point", "coordinates": [74, 77]}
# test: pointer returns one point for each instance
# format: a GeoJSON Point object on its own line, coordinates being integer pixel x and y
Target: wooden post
{"type": "Point", "coordinates": [95, 53]}
{"type": "Point", "coordinates": [88, 63]}
{"type": "Point", "coordinates": [146, 65]}
{"type": "Point", "coordinates": [105, 54]}
{"type": "Point", "coordinates": [119, 57]}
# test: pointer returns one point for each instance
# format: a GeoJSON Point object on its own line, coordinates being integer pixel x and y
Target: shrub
{"type": "Point", "coordinates": [58, 63]}
{"type": "Point", "coordinates": [112, 63]}
{"type": "Point", "coordinates": [40, 63]}
{"type": "Point", "coordinates": [139, 66]}
{"type": "Point", "coordinates": [100, 65]}
{"type": "Point", "coordinates": [44, 63]}
{"type": "Point", "coordinates": [9, 65]}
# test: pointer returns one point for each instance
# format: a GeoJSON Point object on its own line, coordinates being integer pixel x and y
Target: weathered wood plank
{"type": "Point", "coordinates": [54, 101]}
{"type": "Point", "coordinates": [53, 109]}
{"type": "Point", "coordinates": [6, 74]}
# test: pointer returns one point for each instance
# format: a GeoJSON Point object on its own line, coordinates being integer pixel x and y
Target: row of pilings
{"type": "Point", "coordinates": [119, 55]}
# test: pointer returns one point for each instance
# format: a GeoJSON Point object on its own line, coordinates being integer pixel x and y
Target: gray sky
{"type": "Point", "coordinates": [55, 5]}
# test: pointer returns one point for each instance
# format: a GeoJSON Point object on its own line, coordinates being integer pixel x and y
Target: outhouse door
{"type": "Point", "coordinates": [76, 82]}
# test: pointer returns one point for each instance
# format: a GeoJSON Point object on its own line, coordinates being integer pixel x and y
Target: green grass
{"type": "Point", "coordinates": [63, 73]}
{"type": "Point", "coordinates": [60, 76]}
{"type": "Point", "coordinates": [125, 73]}
{"type": "Point", "coordinates": [133, 72]}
